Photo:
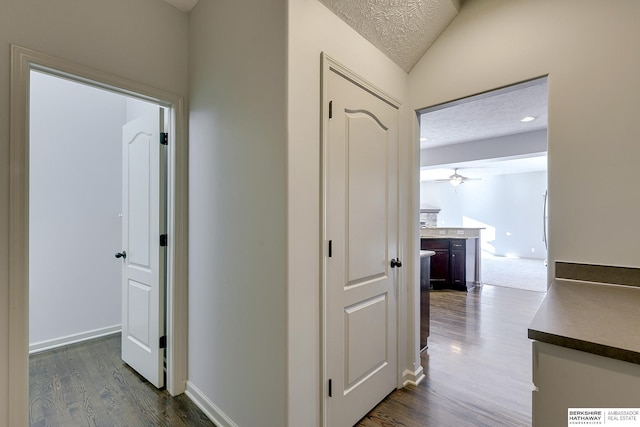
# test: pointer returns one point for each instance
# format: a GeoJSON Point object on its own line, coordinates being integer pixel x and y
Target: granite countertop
{"type": "Point", "coordinates": [596, 318]}
{"type": "Point", "coordinates": [453, 228]}
{"type": "Point", "coordinates": [450, 233]}
{"type": "Point", "coordinates": [447, 236]}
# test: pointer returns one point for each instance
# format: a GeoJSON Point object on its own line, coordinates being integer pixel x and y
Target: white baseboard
{"type": "Point", "coordinates": [214, 413]}
{"type": "Point", "coordinates": [73, 339]}
{"type": "Point", "coordinates": [412, 378]}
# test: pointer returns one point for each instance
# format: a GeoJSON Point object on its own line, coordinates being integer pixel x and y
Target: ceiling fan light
{"type": "Point", "coordinates": [455, 181]}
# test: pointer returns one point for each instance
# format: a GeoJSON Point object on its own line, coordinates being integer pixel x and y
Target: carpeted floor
{"type": "Point", "coordinates": [518, 273]}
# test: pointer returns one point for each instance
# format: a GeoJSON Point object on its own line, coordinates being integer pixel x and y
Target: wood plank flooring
{"type": "Point", "coordinates": [88, 385]}
{"type": "Point", "coordinates": [477, 366]}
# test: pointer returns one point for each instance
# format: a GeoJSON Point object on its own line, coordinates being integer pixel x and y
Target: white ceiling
{"type": "Point", "coordinates": [485, 116]}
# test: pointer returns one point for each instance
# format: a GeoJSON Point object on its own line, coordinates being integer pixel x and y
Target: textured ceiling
{"type": "Point", "coordinates": [402, 29]}
{"type": "Point", "coordinates": [491, 115]}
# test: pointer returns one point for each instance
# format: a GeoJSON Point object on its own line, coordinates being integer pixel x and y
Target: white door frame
{"type": "Point", "coordinates": [22, 62]}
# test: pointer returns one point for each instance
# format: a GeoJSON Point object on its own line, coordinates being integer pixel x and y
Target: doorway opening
{"type": "Point", "coordinates": [29, 68]}
{"type": "Point", "coordinates": [484, 166]}
{"type": "Point", "coordinates": [75, 215]}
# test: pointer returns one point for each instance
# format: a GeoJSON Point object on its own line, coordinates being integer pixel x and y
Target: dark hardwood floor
{"type": "Point", "coordinates": [88, 385]}
{"type": "Point", "coordinates": [477, 366]}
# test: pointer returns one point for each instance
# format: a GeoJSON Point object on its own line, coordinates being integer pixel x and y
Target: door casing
{"type": "Point", "coordinates": [408, 353]}
{"type": "Point", "coordinates": [22, 62]}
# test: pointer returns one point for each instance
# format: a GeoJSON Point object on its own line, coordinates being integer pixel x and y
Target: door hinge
{"type": "Point", "coordinates": [163, 240]}
{"type": "Point", "coordinates": [330, 386]}
{"type": "Point", "coordinates": [330, 109]}
{"type": "Point", "coordinates": [164, 138]}
{"type": "Point", "coordinates": [163, 341]}
{"type": "Point", "coordinates": [330, 248]}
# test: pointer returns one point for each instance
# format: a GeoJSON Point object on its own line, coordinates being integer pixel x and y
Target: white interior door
{"type": "Point", "coordinates": [143, 277]}
{"type": "Point", "coordinates": [361, 204]}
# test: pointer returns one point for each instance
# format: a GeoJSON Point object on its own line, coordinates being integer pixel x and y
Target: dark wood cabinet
{"type": "Point", "coordinates": [440, 267]}
{"type": "Point", "coordinates": [439, 261]}
{"type": "Point", "coordinates": [449, 264]}
{"type": "Point", "coordinates": [457, 263]}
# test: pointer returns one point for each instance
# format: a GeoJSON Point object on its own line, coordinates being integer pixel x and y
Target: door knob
{"type": "Point", "coordinates": [122, 254]}
{"type": "Point", "coordinates": [396, 263]}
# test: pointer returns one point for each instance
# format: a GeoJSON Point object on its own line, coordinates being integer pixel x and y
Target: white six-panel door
{"type": "Point", "coordinates": [360, 230]}
{"type": "Point", "coordinates": [143, 277]}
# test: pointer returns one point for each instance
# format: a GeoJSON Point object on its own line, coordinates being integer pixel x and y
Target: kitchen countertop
{"type": "Point", "coordinates": [596, 318]}
{"type": "Point", "coordinates": [449, 237]}
{"type": "Point", "coordinates": [424, 253]}
{"type": "Point", "coordinates": [450, 233]}
{"type": "Point", "coordinates": [453, 228]}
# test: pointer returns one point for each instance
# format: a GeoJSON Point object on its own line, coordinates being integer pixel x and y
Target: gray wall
{"type": "Point", "coordinates": [75, 198]}
{"type": "Point", "coordinates": [238, 210]}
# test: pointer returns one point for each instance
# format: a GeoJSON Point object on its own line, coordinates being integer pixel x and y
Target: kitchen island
{"type": "Point", "coordinates": [456, 263]}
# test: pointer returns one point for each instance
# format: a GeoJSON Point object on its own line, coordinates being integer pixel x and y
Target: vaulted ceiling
{"type": "Point", "coordinates": [402, 29]}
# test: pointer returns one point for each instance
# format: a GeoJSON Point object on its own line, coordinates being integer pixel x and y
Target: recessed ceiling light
{"type": "Point", "coordinates": [527, 119]}
{"type": "Point", "coordinates": [423, 139]}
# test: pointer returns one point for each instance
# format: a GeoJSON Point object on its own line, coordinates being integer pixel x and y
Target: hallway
{"type": "Point", "coordinates": [477, 367]}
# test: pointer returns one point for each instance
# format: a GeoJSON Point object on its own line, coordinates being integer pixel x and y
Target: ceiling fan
{"type": "Point", "coordinates": [457, 179]}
